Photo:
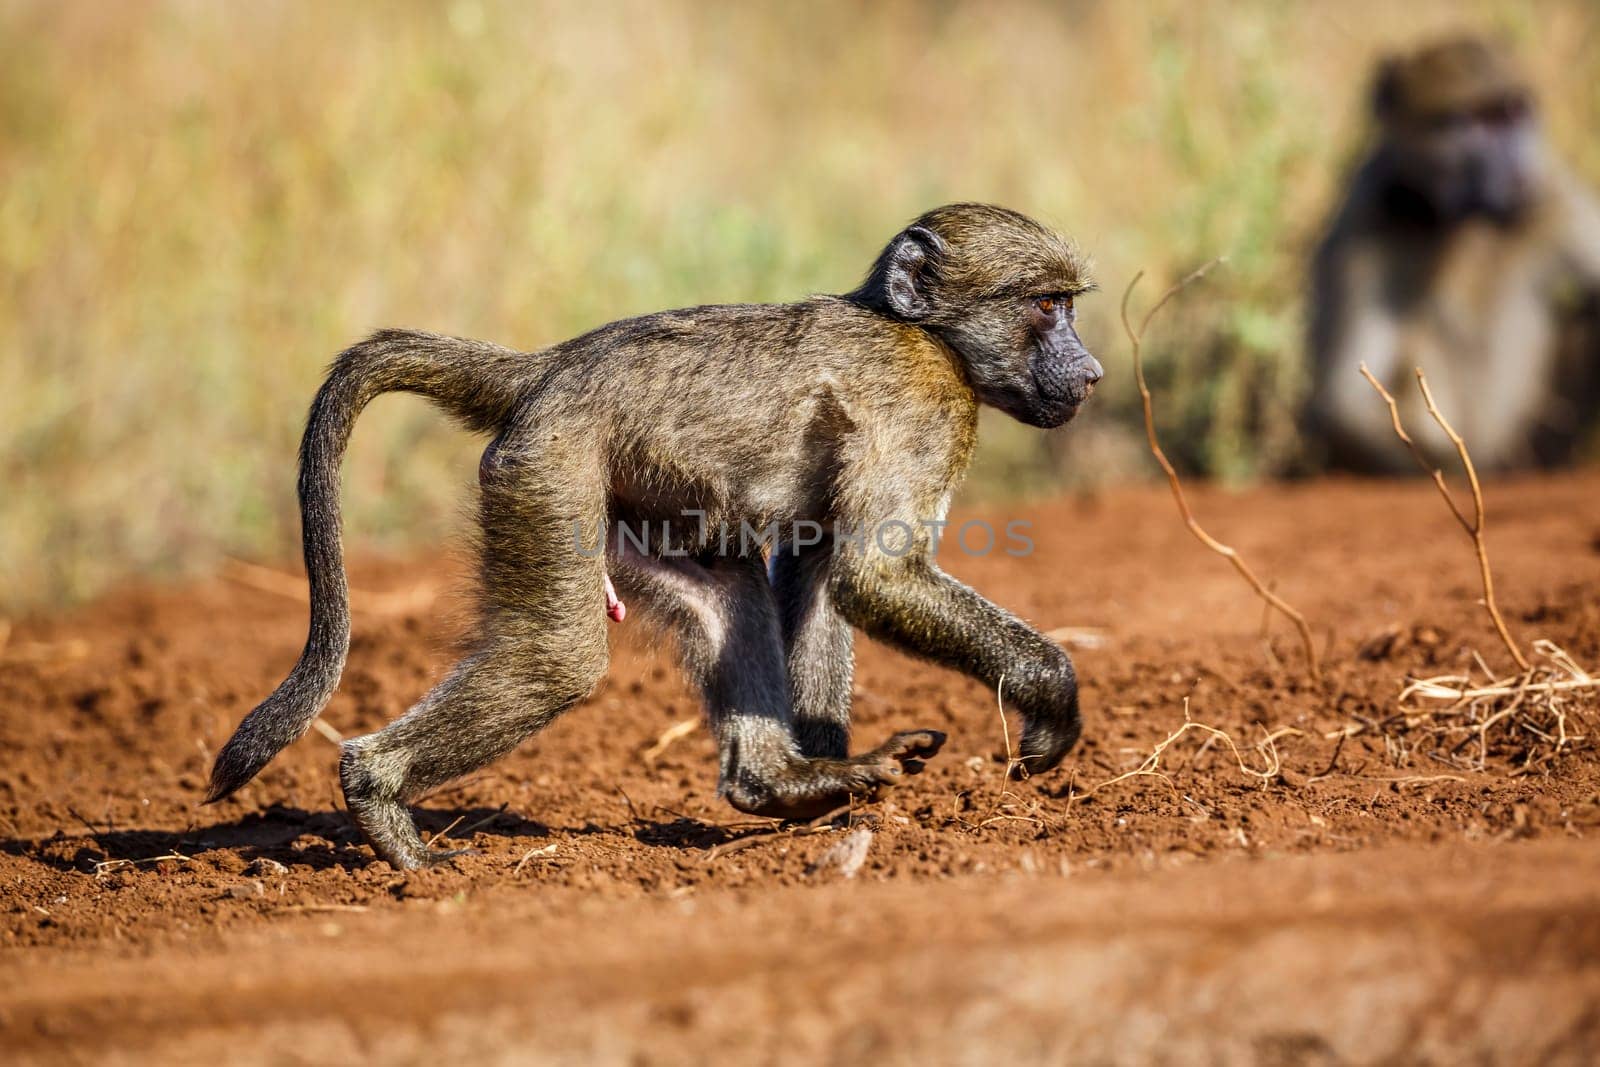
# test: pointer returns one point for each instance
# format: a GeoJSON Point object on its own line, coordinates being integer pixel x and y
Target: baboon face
{"type": "Point", "coordinates": [1024, 356]}
{"type": "Point", "coordinates": [1001, 290]}
{"type": "Point", "coordinates": [1459, 130]}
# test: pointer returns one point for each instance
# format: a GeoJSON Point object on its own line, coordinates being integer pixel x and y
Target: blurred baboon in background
{"type": "Point", "coordinates": [1464, 249]}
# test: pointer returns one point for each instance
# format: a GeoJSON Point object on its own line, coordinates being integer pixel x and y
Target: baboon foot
{"type": "Point", "coordinates": [421, 859]}
{"type": "Point", "coordinates": [808, 789]}
{"type": "Point", "coordinates": [433, 857]}
{"type": "Point", "coordinates": [384, 821]}
{"type": "Point", "coordinates": [906, 752]}
{"type": "Point", "coordinates": [389, 829]}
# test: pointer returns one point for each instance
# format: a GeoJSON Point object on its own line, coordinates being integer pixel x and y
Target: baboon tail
{"type": "Point", "coordinates": [476, 382]}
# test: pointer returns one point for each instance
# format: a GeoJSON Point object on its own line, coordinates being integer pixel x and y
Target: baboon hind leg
{"type": "Point", "coordinates": [818, 648]}
{"type": "Point", "coordinates": [726, 616]}
{"type": "Point", "coordinates": [542, 649]}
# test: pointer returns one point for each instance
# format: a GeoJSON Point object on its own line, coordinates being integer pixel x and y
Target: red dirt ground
{"type": "Point", "coordinates": [1376, 900]}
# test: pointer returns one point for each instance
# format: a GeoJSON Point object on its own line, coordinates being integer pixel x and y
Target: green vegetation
{"type": "Point", "coordinates": [200, 204]}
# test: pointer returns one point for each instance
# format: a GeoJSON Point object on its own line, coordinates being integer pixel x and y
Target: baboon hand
{"type": "Point", "coordinates": [1044, 746]}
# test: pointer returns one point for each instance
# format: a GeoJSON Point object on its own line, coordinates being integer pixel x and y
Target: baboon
{"type": "Point", "coordinates": [1464, 249]}
{"type": "Point", "coordinates": [853, 413]}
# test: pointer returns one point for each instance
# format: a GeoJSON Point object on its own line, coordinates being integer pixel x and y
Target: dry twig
{"type": "Point", "coordinates": [1012, 760]}
{"type": "Point", "coordinates": [406, 602]}
{"type": "Point", "coordinates": [46, 652]}
{"type": "Point", "coordinates": [774, 831]}
{"type": "Point", "coordinates": [330, 733]}
{"type": "Point", "coordinates": [1151, 767]}
{"type": "Point", "coordinates": [1081, 637]}
{"type": "Point", "coordinates": [669, 737]}
{"type": "Point", "coordinates": [1007, 798]}
{"type": "Point", "coordinates": [467, 831]}
{"type": "Point", "coordinates": [1473, 526]}
{"type": "Point", "coordinates": [1533, 706]}
{"type": "Point", "coordinates": [107, 866]}
{"type": "Point", "coordinates": [533, 853]}
{"type": "Point", "coordinates": [1135, 340]}
{"type": "Point", "coordinates": [434, 839]}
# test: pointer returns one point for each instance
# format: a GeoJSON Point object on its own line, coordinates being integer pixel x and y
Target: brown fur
{"type": "Point", "coordinates": [842, 412]}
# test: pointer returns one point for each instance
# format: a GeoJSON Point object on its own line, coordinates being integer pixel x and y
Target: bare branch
{"type": "Point", "coordinates": [1135, 339]}
{"type": "Point", "coordinates": [1416, 453]}
{"type": "Point", "coordinates": [1473, 526]}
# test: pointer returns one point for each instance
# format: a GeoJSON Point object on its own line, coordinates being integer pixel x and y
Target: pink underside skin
{"type": "Point", "coordinates": [616, 610]}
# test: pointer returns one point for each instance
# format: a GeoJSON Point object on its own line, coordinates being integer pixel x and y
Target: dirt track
{"type": "Point", "coordinates": [1378, 902]}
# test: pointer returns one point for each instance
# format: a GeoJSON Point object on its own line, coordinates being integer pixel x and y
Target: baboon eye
{"type": "Point", "coordinates": [1046, 304]}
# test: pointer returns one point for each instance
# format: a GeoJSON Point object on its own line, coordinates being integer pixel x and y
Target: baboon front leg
{"type": "Point", "coordinates": [910, 603]}
{"type": "Point", "coordinates": [542, 649]}
{"type": "Point", "coordinates": [818, 646]}
{"type": "Point", "coordinates": [726, 616]}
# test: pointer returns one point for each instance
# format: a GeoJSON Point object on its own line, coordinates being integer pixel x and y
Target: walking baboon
{"type": "Point", "coordinates": [1464, 249]}
{"type": "Point", "coordinates": [855, 413]}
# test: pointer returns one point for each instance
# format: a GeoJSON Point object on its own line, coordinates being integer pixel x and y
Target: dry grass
{"type": "Point", "coordinates": [1531, 718]}
{"type": "Point", "coordinates": [1150, 766]}
{"type": "Point", "coordinates": [200, 203]}
{"type": "Point", "coordinates": [1518, 723]}
{"type": "Point", "coordinates": [1473, 526]}
{"type": "Point", "coordinates": [1534, 707]}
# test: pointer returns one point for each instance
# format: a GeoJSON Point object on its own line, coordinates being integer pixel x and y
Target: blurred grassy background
{"type": "Point", "coordinates": [200, 203]}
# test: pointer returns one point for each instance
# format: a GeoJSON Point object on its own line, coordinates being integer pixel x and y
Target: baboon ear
{"type": "Point", "coordinates": [909, 274]}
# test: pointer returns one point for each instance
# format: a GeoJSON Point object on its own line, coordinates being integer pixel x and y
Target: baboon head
{"type": "Point", "coordinates": [999, 289]}
{"type": "Point", "coordinates": [1458, 130]}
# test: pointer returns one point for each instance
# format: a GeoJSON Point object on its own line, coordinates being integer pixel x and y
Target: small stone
{"type": "Point", "coordinates": [847, 855]}
{"type": "Point", "coordinates": [265, 868]}
{"type": "Point", "coordinates": [247, 890]}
